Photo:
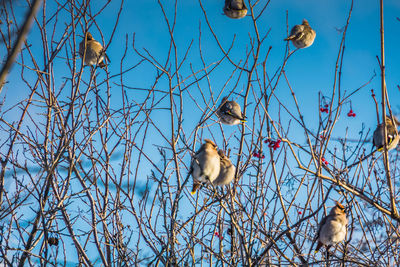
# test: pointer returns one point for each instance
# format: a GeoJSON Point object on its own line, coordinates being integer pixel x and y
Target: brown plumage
{"type": "Point", "coordinates": [235, 9]}
{"type": "Point", "coordinates": [332, 228]}
{"type": "Point", "coordinates": [392, 137]}
{"type": "Point", "coordinates": [205, 165]}
{"type": "Point", "coordinates": [94, 51]}
{"type": "Point", "coordinates": [227, 170]}
{"type": "Point", "coordinates": [229, 112]}
{"type": "Point", "coordinates": [302, 36]}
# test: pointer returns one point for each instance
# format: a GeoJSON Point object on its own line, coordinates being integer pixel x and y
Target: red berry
{"type": "Point", "coordinates": [299, 212]}
{"type": "Point", "coordinates": [321, 109]}
{"type": "Point", "coordinates": [326, 105]}
{"type": "Point", "coordinates": [263, 157]}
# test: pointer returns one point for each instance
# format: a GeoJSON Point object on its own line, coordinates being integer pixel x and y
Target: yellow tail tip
{"type": "Point", "coordinates": [193, 192]}
{"type": "Point", "coordinates": [315, 251]}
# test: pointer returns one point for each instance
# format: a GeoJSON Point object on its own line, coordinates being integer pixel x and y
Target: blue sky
{"type": "Point", "coordinates": [309, 71]}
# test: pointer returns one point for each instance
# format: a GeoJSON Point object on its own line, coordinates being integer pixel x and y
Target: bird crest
{"type": "Point", "coordinates": [208, 141]}
{"type": "Point", "coordinates": [339, 205]}
{"type": "Point", "coordinates": [89, 36]}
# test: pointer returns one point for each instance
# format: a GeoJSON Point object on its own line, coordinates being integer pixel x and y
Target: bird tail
{"type": "Point", "coordinates": [102, 65]}
{"type": "Point", "coordinates": [318, 247]}
{"type": "Point", "coordinates": [196, 185]}
{"type": "Point", "coordinates": [291, 37]}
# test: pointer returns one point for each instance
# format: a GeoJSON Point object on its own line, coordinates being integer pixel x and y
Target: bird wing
{"type": "Point", "coordinates": [322, 222]}
{"type": "Point", "coordinates": [229, 109]}
{"type": "Point", "coordinates": [228, 112]}
{"type": "Point", "coordinates": [296, 33]}
{"type": "Point", "coordinates": [299, 35]}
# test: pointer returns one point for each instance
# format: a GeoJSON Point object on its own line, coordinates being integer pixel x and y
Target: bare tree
{"type": "Point", "coordinates": [96, 163]}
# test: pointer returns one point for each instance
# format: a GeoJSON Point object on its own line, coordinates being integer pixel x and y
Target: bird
{"type": "Point", "coordinates": [205, 165]}
{"type": "Point", "coordinates": [227, 170]}
{"type": "Point", "coordinates": [95, 52]}
{"type": "Point", "coordinates": [332, 228]}
{"type": "Point", "coordinates": [302, 36]}
{"type": "Point", "coordinates": [230, 113]}
{"type": "Point", "coordinates": [392, 136]}
{"type": "Point", "coordinates": [235, 9]}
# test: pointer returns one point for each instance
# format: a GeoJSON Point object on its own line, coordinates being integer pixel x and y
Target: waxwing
{"type": "Point", "coordinates": [205, 165]}
{"type": "Point", "coordinates": [332, 228]}
{"type": "Point", "coordinates": [94, 51]}
{"type": "Point", "coordinates": [227, 170]}
{"type": "Point", "coordinates": [302, 36]}
{"type": "Point", "coordinates": [235, 9]}
{"type": "Point", "coordinates": [392, 136]}
{"type": "Point", "coordinates": [230, 113]}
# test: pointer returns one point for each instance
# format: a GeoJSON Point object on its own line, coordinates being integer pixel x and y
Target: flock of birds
{"type": "Point", "coordinates": [211, 166]}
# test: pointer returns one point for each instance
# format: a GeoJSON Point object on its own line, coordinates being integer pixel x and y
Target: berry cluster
{"type": "Point", "coordinates": [273, 144]}
{"type": "Point", "coordinates": [218, 235]}
{"type": "Point", "coordinates": [351, 113]}
{"type": "Point", "coordinates": [325, 108]}
{"type": "Point", "coordinates": [324, 161]}
{"type": "Point", "coordinates": [258, 155]}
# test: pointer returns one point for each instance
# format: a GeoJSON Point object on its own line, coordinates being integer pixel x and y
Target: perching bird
{"type": "Point", "coordinates": [229, 112]}
{"type": "Point", "coordinates": [235, 9]}
{"type": "Point", "coordinates": [227, 170]}
{"type": "Point", "coordinates": [205, 165]}
{"type": "Point", "coordinates": [333, 228]}
{"type": "Point", "coordinates": [392, 136]}
{"type": "Point", "coordinates": [302, 36]}
{"type": "Point", "coordinates": [94, 51]}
